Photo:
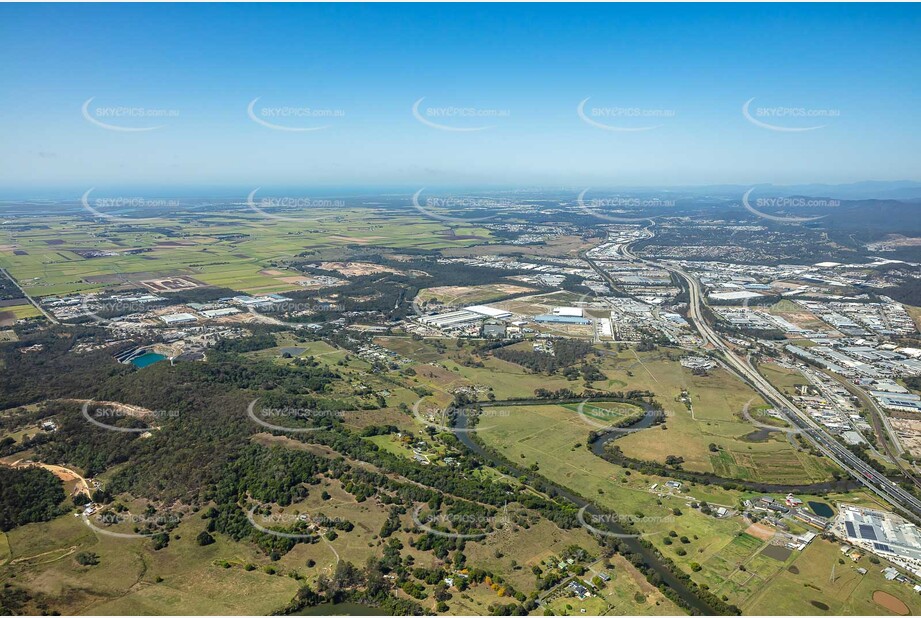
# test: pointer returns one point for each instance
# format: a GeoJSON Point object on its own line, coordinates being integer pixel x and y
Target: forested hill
{"type": "Point", "coordinates": [28, 495]}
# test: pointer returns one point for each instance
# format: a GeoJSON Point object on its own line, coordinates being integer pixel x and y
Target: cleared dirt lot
{"type": "Point", "coordinates": [356, 269]}
{"type": "Point", "coordinates": [909, 432]}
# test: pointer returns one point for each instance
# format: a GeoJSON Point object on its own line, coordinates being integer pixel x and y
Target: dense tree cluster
{"type": "Point", "coordinates": [246, 344]}
{"type": "Point", "coordinates": [28, 495]}
{"type": "Point", "coordinates": [566, 352]}
{"type": "Point", "coordinates": [54, 371]}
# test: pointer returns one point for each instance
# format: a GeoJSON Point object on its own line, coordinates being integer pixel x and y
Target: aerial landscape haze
{"type": "Point", "coordinates": [460, 309]}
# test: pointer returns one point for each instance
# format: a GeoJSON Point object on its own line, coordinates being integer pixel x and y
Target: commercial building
{"type": "Point", "coordinates": [561, 319]}
{"type": "Point", "coordinates": [571, 312]}
{"type": "Point", "coordinates": [881, 533]}
{"type": "Point", "coordinates": [906, 402]}
{"type": "Point", "coordinates": [607, 329]}
{"type": "Point", "coordinates": [178, 318]}
{"type": "Point", "coordinates": [452, 319]}
{"type": "Point", "coordinates": [494, 329]}
{"type": "Point", "coordinates": [489, 312]}
{"type": "Point", "coordinates": [260, 301]}
{"type": "Point", "coordinates": [216, 313]}
{"type": "Point", "coordinates": [735, 295]}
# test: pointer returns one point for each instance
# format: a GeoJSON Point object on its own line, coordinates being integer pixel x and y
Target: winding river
{"type": "Point", "coordinates": [462, 431]}
{"type": "Point", "coordinates": [598, 448]}
{"type": "Point", "coordinates": [697, 605]}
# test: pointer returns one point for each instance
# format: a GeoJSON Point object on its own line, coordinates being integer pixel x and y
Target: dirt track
{"type": "Point", "coordinates": [887, 601]}
{"type": "Point", "coordinates": [65, 474]}
{"type": "Point", "coordinates": [760, 531]}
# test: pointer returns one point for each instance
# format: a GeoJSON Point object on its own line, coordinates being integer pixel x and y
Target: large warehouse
{"type": "Point", "coordinates": [452, 319]}
{"type": "Point", "coordinates": [882, 533]}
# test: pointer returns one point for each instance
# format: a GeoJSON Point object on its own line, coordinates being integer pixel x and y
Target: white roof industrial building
{"type": "Point", "coordinates": [178, 318]}
{"type": "Point", "coordinates": [740, 295]}
{"type": "Point", "coordinates": [490, 312]}
{"type": "Point", "coordinates": [882, 533]}
{"type": "Point", "coordinates": [452, 319]}
{"type": "Point", "coordinates": [569, 312]}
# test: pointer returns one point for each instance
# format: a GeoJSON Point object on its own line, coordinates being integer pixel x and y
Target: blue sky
{"type": "Point", "coordinates": [854, 70]}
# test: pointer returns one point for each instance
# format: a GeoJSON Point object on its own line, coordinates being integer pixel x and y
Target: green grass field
{"type": "Point", "coordinates": [808, 580]}
{"type": "Point", "coordinates": [470, 295]}
{"type": "Point", "coordinates": [554, 438]}
{"type": "Point", "coordinates": [717, 400]}
{"type": "Point", "coordinates": [21, 312]}
{"type": "Point", "coordinates": [782, 378]}
{"type": "Point", "coordinates": [739, 569]}
{"type": "Point", "coordinates": [732, 561]}
{"type": "Point", "coordinates": [4, 549]}
{"type": "Point", "coordinates": [49, 261]}
{"type": "Point", "coordinates": [125, 580]}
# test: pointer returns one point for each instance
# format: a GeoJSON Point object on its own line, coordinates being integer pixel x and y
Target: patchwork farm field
{"type": "Point", "coordinates": [743, 567]}
{"type": "Point", "coordinates": [11, 313]}
{"type": "Point", "coordinates": [714, 418]}
{"type": "Point", "coordinates": [733, 563]}
{"type": "Point", "coordinates": [234, 249]}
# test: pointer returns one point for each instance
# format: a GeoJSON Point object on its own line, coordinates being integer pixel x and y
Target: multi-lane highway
{"type": "Point", "coordinates": [815, 433]}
